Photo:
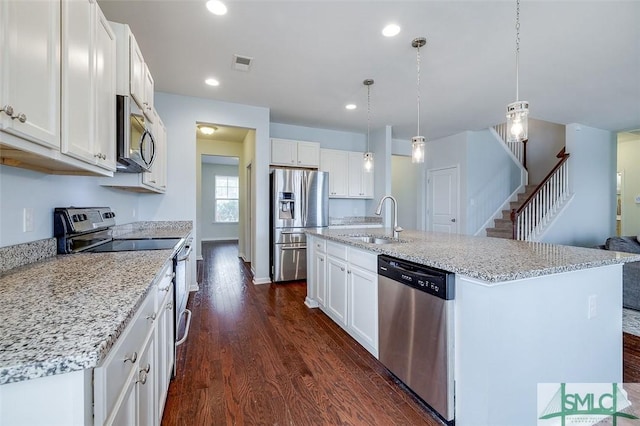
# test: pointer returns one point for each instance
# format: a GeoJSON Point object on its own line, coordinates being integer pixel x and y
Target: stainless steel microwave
{"type": "Point", "coordinates": [135, 142]}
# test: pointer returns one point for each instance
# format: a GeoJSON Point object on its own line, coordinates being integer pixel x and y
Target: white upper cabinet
{"type": "Point", "coordinates": [336, 162]}
{"type": "Point", "coordinates": [148, 94]}
{"type": "Point", "coordinates": [285, 152]}
{"type": "Point", "coordinates": [30, 70]}
{"type": "Point", "coordinates": [105, 72]}
{"type": "Point", "coordinates": [88, 84]}
{"type": "Point", "coordinates": [308, 154]}
{"type": "Point", "coordinates": [360, 181]}
{"type": "Point", "coordinates": [136, 72]}
{"type": "Point", "coordinates": [347, 177]}
{"type": "Point", "coordinates": [141, 82]}
{"type": "Point", "coordinates": [56, 69]}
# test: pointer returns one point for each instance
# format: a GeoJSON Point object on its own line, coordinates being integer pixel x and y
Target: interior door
{"type": "Point", "coordinates": [442, 193]}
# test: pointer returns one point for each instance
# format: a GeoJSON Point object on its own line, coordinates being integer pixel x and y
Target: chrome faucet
{"type": "Point", "coordinates": [396, 228]}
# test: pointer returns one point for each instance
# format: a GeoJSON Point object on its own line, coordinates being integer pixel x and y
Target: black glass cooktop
{"type": "Point", "coordinates": [136, 245]}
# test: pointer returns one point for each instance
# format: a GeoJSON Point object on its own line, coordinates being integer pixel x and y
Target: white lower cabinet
{"type": "Point", "coordinates": [130, 386]}
{"type": "Point", "coordinates": [337, 289]}
{"type": "Point", "coordinates": [345, 281]}
{"type": "Point", "coordinates": [362, 319]}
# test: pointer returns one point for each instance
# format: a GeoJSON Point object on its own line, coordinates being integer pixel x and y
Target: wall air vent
{"type": "Point", "coordinates": [241, 63]}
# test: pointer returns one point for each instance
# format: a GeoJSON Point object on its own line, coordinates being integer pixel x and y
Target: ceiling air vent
{"type": "Point", "coordinates": [241, 63]}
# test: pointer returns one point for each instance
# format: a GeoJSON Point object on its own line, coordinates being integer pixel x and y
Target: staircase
{"type": "Point", "coordinates": [536, 207]}
{"type": "Point", "coordinates": [503, 227]}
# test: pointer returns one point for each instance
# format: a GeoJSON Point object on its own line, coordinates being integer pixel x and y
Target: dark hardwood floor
{"type": "Point", "coordinates": [258, 355]}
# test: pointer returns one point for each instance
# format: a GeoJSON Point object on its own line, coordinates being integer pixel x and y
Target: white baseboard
{"type": "Point", "coordinates": [258, 281]}
{"type": "Point", "coordinates": [310, 303]}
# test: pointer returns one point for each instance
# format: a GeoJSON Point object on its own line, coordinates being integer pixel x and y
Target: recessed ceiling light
{"type": "Point", "coordinates": [212, 82]}
{"type": "Point", "coordinates": [391, 30]}
{"type": "Point", "coordinates": [350, 106]}
{"type": "Point", "coordinates": [216, 7]}
{"type": "Point", "coordinates": [207, 130]}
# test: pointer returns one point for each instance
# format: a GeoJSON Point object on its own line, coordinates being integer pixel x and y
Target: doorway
{"type": "Point", "coordinates": [442, 200]}
{"type": "Point", "coordinates": [220, 146]}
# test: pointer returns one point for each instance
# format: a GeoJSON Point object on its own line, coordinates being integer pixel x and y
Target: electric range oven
{"type": "Point", "coordinates": [90, 230]}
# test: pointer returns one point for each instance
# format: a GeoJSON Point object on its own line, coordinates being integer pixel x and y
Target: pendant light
{"type": "Point", "coordinates": [418, 142]}
{"type": "Point", "coordinates": [518, 111]}
{"type": "Point", "coordinates": [368, 156]}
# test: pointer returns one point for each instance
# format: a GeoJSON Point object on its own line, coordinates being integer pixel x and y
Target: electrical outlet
{"type": "Point", "coordinates": [27, 219]}
{"type": "Point", "coordinates": [593, 306]}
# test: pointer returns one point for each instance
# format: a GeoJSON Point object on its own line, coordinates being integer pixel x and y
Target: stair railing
{"type": "Point", "coordinates": [545, 200]}
{"type": "Point", "coordinates": [519, 149]}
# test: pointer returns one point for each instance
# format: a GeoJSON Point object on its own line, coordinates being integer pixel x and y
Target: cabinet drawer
{"type": "Point", "coordinates": [337, 250]}
{"type": "Point", "coordinates": [364, 259]}
{"type": "Point", "coordinates": [320, 244]}
{"type": "Point", "coordinates": [112, 376]}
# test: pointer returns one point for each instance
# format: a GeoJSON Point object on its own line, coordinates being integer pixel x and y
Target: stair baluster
{"type": "Point", "coordinates": [545, 200]}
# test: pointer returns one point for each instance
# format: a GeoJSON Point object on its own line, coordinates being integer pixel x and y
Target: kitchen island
{"type": "Point", "coordinates": [63, 316]}
{"type": "Point", "coordinates": [524, 313]}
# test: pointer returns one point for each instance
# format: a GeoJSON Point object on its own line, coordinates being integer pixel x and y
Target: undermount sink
{"type": "Point", "coordinates": [374, 240]}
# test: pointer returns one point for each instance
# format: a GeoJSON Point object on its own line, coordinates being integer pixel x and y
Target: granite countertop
{"type": "Point", "coordinates": [64, 313]}
{"type": "Point", "coordinates": [489, 259]}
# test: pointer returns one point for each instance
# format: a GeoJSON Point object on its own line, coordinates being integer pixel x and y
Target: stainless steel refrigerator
{"type": "Point", "coordinates": [299, 200]}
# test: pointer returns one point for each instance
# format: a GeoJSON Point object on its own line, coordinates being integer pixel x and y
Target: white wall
{"type": "Point", "coordinates": [209, 229]}
{"type": "Point", "coordinates": [448, 152]}
{"type": "Point", "coordinates": [545, 141]}
{"type": "Point", "coordinates": [492, 176]}
{"type": "Point", "coordinates": [380, 143]}
{"type": "Point", "coordinates": [404, 186]}
{"type": "Point", "coordinates": [180, 114]}
{"type": "Point", "coordinates": [629, 165]}
{"type": "Point", "coordinates": [246, 247]}
{"type": "Point", "coordinates": [589, 219]}
{"type": "Point", "coordinates": [20, 188]}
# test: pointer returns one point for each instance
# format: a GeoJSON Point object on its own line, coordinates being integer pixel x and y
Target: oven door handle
{"type": "Point", "coordinates": [186, 327]}
{"type": "Point", "coordinates": [186, 255]}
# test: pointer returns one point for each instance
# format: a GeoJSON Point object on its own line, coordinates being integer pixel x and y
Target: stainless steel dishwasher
{"type": "Point", "coordinates": [415, 322]}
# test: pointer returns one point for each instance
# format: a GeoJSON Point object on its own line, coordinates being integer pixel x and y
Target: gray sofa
{"type": "Point", "coordinates": [630, 271]}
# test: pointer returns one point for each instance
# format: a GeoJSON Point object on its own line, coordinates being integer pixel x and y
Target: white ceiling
{"type": "Point", "coordinates": [579, 61]}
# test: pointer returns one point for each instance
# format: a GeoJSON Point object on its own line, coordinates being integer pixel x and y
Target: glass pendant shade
{"type": "Point", "coordinates": [368, 161]}
{"type": "Point", "coordinates": [417, 149]}
{"type": "Point", "coordinates": [518, 121]}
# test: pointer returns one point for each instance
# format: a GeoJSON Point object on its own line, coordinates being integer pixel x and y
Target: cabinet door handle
{"type": "Point", "coordinates": [169, 306]}
{"type": "Point", "coordinates": [152, 317]}
{"type": "Point", "coordinates": [142, 377]}
{"type": "Point", "coordinates": [164, 288]}
{"type": "Point", "coordinates": [147, 368]}
{"type": "Point", "coordinates": [133, 357]}
{"type": "Point", "coordinates": [342, 269]}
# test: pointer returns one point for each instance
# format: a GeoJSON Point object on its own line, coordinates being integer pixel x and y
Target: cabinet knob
{"type": "Point", "coordinates": [342, 269]}
{"type": "Point", "coordinates": [152, 317]}
{"type": "Point", "coordinates": [169, 306]}
{"type": "Point", "coordinates": [7, 109]}
{"type": "Point", "coordinates": [147, 368]}
{"type": "Point", "coordinates": [133, 357]}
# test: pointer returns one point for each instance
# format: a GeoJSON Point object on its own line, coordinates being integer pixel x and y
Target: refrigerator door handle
{"type": "Point", "coordinates": [305, 207]}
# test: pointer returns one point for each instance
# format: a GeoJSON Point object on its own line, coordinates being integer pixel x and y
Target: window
{"type": "Point", "coordinates": [226, 208]}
